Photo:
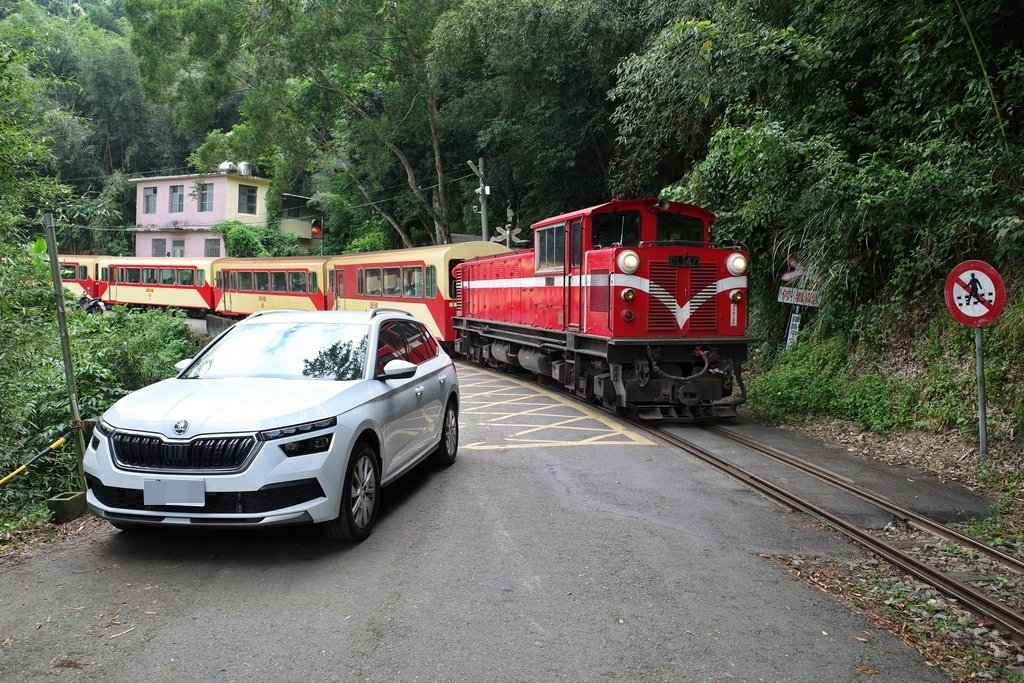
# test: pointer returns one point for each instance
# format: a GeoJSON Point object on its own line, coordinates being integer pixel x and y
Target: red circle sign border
{"type": "Point", "coordinates": [997, 283]}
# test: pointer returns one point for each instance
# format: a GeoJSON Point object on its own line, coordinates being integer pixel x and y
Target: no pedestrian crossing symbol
{"type": "Point", "coordinates": [974, 293]}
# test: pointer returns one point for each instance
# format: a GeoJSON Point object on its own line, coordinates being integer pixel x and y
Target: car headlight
{"type": "Point", "coordinates": [628, 261]}
{"type": "Point", "coordinates": [271, 434]}
{"type": "Point", "coordinates": [737, 264]}
{"type": "Point", "coordinates": [314, 444]}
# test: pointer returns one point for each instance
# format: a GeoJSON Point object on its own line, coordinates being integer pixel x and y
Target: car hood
{"type": "Point", "coordinates": [216, 406]}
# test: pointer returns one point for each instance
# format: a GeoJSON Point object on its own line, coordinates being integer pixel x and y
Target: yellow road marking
{"type": "Point", "coordinates": [499, 412]}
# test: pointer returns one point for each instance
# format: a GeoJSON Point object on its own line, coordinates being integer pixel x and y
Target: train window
{"type": "Point", "coordinates": [186, 277]}
{"type": "Point", "coordinates": [83, 273]}
{"type": "Point", "coordinates": [168, 277]}
{"type": "Point", "coordinates": [105, 274]}
{"type": "Point", "coordinates": [576, 244]}
{"type": "Point", "coordinates": [393, 282]}
{"type": "Point", "coordinates": [550, 248]}
{"type": "Point", "coordinates": [262, 281]}
{"type": "Point", "coordinates": [621, 228]}
{"type": "Point", "coordinates": [279, 281]}
{"type": "Point", "coordinates": [297, 283]}
{"type": "Point", "coordinates": [431, 288]}
{"type": "Point", "coordinates": [220, 281]}
{"type": "Point", "coordinates": [313, 289]}
{"type": "Point", "coordinates": [369, 281]}
{"type": "Point", "coordinates": [413, 279]}
{"type": "Point", "coordinates": [245, 282]}
{"type": "Point", "coordinates": [133, 276]}
{"type": "Point", "coordinates": [339, 284]}
{"type": "Point", "coordinates": [200, 276]}
{"type": "Point", "coordinates": [149, 276]}
{"type": "Point", "coordinates": [67, 272]}
{"type": "Point", "coordinates": [675, 228]}
{"type": "Point", "coordinates": [233, 280]}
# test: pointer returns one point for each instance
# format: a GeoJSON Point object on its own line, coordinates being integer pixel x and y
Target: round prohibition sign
{"type": "Point", "coordinates": [974, 293]}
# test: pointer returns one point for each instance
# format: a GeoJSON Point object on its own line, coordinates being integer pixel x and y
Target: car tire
{"type": "Point", "coordinates": [360, 498]}
{"type": "Point", "coordinates": [444, 455]}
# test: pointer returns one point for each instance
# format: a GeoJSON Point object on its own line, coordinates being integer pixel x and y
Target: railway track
{"type": "Point", "coordinates": [1007, 619]}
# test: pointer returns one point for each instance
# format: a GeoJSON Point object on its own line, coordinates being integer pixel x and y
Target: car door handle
{"type": "Point", "coordinates": [419, 390]}
{"type": "Point", "coordinates": [442, 379]}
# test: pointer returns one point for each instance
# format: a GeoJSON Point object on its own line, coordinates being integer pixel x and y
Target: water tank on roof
{"type": "Point", "coordinates": [244, 168]}
{"type": "Point", "coordinates": [226, 167]}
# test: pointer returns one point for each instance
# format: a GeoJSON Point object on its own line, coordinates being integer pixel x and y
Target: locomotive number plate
{"type": "Point", "coordinates": [684, 261]}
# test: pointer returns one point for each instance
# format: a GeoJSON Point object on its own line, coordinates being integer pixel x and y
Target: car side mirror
{"type": "Point", "coordinates": [398, 369]}
{"type": "Point", "coordinates": [183, 363]}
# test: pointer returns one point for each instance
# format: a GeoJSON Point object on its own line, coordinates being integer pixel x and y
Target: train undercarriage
{"type": "Point", "coordinates": [677, 379]}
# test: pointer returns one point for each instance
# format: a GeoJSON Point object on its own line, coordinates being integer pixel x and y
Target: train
{"type": "Point", "coordinates": [627, 304]}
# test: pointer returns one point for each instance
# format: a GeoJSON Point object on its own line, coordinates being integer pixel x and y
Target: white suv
{"type": "Point", "coordinates": [287, 417]}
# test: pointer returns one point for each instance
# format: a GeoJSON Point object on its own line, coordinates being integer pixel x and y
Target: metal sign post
{"type": "Point", "coordinates": [65, 342]}
{"type": "Point", "coordinates": [975, 296]}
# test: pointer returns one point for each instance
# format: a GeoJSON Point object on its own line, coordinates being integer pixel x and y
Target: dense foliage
{"type": "Point", "coordinates": [112, 354]}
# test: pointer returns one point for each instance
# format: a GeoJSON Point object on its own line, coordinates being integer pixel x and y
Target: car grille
{"type": "Point", "coordinates": [137, 451]}
{"type": "Point", "coordinates": [270, 497]}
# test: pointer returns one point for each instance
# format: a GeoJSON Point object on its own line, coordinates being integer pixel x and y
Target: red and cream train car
{"type": "Point", "coordinates": [246, 285]}
{"type": "Point", "coordinates": [627, 303]}
{"type": "Point", "coordinates": [78, 274]}
{"type": "Point", "coordinates": [179, 282]}
{"type": "Point", "coordinates": [418, 280]}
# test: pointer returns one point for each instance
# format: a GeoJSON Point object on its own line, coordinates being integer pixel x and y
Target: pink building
{"type": "Point", "coordinates": [174, 213]}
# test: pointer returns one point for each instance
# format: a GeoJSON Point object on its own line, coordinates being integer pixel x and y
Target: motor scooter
{"type": "Point", "coordinates": [91, 305]}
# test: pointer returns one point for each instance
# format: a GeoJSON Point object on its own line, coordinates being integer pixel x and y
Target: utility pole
{"type": "Point", "coordinates": [65, 342]}
{"type": "Point", "coordinates": [483, 191]}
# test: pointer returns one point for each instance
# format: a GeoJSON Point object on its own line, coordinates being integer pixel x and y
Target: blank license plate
{"type": "Point", "coordinates": [174, 492]}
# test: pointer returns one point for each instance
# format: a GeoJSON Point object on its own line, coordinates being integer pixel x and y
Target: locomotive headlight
{"type": "Point", "coordinates": [628, 295]}
{"type": "Point", "coordinates": [736, 295]}
{"type": "Point", "coordinates": [628, 261]}
{"type": "Point", "coordinates": [737, 264]}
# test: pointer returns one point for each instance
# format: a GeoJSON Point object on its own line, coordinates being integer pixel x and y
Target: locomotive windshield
{"type": "Point", "coordinates": [675, 228]}
{"type": "Point", "coordinates": [622, 228]}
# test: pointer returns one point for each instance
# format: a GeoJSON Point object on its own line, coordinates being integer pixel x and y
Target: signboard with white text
{"type": "Point", "coordinates": [799, 297]}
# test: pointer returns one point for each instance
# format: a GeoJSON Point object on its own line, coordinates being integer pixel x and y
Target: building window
{"type": "Point", "coordinates": [177, 203]}
{"type": "Point", "coordinates": [247, 199]}
{"type": "Point", "coordinates": [211, 247]}
{"type": "Point", "coordinates": [149, 200]}
{"type": "Point", "coordinates": [159, 247]}
{"type": "Point", "coordinates": [177, 247]}
{"type": "Point", "coordinates": [206, 197]}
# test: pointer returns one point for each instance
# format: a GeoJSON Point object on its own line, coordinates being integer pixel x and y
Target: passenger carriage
{"type": "Point", "coordinates": [248, 285]}
{"type": "Point", "coordinates": [78, 274]}
{"type": "Point", "coordinates": [418, 280]}
{"type": "Point", "coordinates": [181, 282]}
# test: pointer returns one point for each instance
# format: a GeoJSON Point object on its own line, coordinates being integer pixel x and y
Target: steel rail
{"type": "Point", "coordinates": [996, 612]}
{"type": "Point", "coordinates": [909, 516]}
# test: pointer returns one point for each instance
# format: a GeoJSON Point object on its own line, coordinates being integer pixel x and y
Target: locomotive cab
{"type": "Point", "coordinates": [627, 303]}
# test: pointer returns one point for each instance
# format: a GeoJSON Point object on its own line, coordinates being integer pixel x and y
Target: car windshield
{"type": "Point", "coordinates": [288, 350]}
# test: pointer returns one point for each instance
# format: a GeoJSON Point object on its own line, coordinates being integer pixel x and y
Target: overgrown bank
{"type": "Point", "coordinates": [112, 354]}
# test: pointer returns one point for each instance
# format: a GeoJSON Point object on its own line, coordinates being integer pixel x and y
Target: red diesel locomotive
{"type": "Point", "coordinates": [626, 303]}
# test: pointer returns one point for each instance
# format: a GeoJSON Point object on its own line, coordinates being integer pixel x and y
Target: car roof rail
{"type": "Point", "coordinates": [377, 311]}
{"type": "Point", "coordinates": [268, 311]}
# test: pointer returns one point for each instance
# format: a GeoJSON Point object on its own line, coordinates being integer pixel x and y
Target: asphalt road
{"type": "Point", "coordinates": [560, 546]}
